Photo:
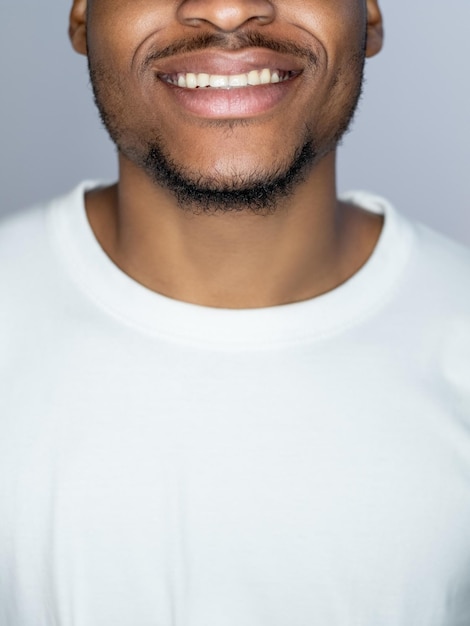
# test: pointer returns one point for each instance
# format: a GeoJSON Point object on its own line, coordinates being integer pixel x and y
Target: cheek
{"type": "Point", "coordinates": [117, 29]}
{"type": "Point", "coordinates": [338, 25]}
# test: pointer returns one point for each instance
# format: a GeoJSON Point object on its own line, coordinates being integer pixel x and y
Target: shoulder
{"type": "Point", "coordinates": [35, 279]}
{"type": "Point", "coordinates": [23, 242]}
{"type": "Point", "coordinates": [15, 227]}
{"type": "Point", "coordinates": [442, 264]}
{"type": "Point", "coordinates": [441, 308]}
{"type": "Point", "coordinates": [27, 237]}
{"type": "Point", "coordinates": [435, 265]}
{"type": "Point", "coordinates": [25, 261]}
{"type": "Point", "coordinates": [428, 265]}
{"type": "Point", "coordinates": [31, 256]}
{"type": "Point", "coordinates": [425, 319]}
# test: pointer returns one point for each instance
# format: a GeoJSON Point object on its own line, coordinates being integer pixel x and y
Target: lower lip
{"type": "Point", "coordinates": [234, 103]}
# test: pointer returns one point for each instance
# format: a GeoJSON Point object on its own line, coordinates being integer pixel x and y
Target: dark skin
{"type": "Point", "coordinates": [312, 242]}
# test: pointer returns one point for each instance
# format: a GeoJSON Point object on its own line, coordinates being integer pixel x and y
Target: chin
{"type": "Point", "coordinates": [230, 186]}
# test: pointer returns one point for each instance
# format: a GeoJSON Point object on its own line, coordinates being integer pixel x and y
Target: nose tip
{"type": "Point", "coordinates": [226, 15]}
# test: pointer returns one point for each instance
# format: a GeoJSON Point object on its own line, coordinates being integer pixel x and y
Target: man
{"type": "Point", "coordinates": [229, 398]}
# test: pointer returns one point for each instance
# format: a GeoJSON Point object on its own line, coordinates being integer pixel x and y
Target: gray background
{"type": "Point", "coordinates": [410, 142]}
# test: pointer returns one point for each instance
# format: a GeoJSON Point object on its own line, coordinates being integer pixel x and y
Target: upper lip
{"type": "Point", "coordinates": [223, 62]}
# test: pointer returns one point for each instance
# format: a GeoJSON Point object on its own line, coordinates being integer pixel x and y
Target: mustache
{"type": "Point", "coordinates": [232, 42]}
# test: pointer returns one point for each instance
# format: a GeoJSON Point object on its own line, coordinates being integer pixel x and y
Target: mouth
{"type": "Point", "coordinates": [218, 84]}
{"type": "Point", "coordinates": [253, 78]}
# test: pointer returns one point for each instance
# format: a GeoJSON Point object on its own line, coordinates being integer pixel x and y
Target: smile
{"type": "Point", "coordinates": [223, 85]}
{"type": "Point", "coordinates": [191, 80]}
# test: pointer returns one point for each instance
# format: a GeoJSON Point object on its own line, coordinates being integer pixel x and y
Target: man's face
{"type": "Point", "coordinates": [151, 61]}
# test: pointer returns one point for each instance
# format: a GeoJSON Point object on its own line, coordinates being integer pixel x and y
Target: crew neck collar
{"type": "Point", "coordinates": [154, 314]}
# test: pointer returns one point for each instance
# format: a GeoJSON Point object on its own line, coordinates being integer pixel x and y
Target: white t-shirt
{"type": "Point", "coordinates": [167, 464]}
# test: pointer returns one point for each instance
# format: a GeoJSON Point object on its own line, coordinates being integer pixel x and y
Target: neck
{"type": "Point", "coordinates": [309, 246]}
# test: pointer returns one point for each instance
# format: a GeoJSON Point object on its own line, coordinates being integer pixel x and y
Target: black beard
{"type": "Point", "coordinates": [259, 193]}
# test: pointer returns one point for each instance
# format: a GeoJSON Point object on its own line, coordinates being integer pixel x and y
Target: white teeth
{"type": "Point", "coordinates": [240, 80]}
{"type": "Point", "coordinates": [191, 80]}
{"type": "Point", "coordinates": [265, 77]}
{"type": "Point", "coordinates": [254, 78]}
{"type": "Point", "coordinates": [203, 80]}
{"type": "Point", "coordinates": [221, 82]}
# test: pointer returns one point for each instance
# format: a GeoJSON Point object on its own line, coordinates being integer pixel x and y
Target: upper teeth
{"type": "Point", "coordinates": [191, 80]}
